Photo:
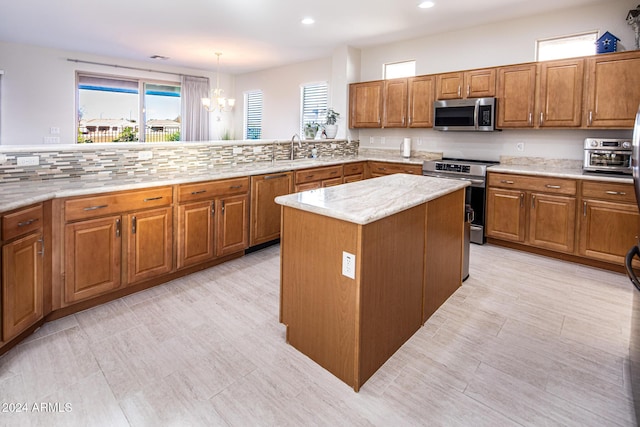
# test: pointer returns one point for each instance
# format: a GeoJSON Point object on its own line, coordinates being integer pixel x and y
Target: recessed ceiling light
{"type": "Point", "coordinates": [308, 21]}
{"type": "Point", "coordinates": [426, 4]}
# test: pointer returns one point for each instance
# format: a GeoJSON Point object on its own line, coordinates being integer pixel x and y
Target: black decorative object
{"type": "Point", "coordinates": [607, 43]}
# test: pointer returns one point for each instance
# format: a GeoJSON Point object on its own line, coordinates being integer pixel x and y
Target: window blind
{"type": "Point", "coordinates": [253, 115]}
{"type": "Point", "coordinates": [314, 104]}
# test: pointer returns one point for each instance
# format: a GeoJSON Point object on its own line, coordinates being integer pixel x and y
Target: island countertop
{"type": "Point", "coordinates": [363, 202]}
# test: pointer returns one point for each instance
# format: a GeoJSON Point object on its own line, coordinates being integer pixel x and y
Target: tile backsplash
{"type": "Point", "coordinates": [145, 159]}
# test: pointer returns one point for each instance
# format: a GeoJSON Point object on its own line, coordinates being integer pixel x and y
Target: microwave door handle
{"type": "Point", "coordinates": [476, 110]}
{"type": "Point", "coordinates": [627, 263]}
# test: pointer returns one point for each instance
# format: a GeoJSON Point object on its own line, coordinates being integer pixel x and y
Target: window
{"type": "Point", "coordinates": [110, 109]}
{"type": "Point", "coordinates": [313, 103]}
{"type": "Point", "coordinates": [396, 70]}
{"type": "Point", "coordinates": [566, 46]}
{"type": "Point", "coordinates": [253, 115]}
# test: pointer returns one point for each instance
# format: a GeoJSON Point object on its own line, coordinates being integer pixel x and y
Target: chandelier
{"type": "Point", "coordinates": [217, 101]}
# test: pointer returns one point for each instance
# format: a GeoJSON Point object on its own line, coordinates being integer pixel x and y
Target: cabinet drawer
{"type": "Point", "coordinates": [108, 204]}
{"type": "Point", "coordinates": [353, 168]}
{"type": "Point", "coordinates": [613, 191]}
{"type": "Point", "coordinates": [318, 174]}
{"type": "Point", "coordinates": [384, 168]}
{"type": "Point", "coordinates": [540, 184]}
{"type": "Point", "coordinates": [210, 189]}
{"type": "Point", "coordinates": [21, 222]}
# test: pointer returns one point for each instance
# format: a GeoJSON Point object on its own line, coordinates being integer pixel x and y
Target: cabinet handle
{"type": "Point", "coordinates": [382, 169]}
{"type": "Point", "coordinates": [118, 227]}
{"type": "Point", "coordinates": [541, 118]}
{"type": "Point", "coordinates": [378, 119]}
{"type": "Point", "coordinates": [590, 118]}
{"type": "Point", "coordinates": [151, 199]}
{"type": "Point", "coordinates": [584, 209]}
{"type": "Point", "coordinates": [235, 187]}
{"type": "Point", "coordinates": [309, 176]}
{"type": "Point", "coordinates": [93, 208]}
{"type": "Point", "coordinates": [213, 208]}
{"type": "Point", "coordinates": [403, 119]}
{"type": "Point", "coordinates": [333, 173]}
{"type": "Point", "coordinates": [198, 192]}
{"type": "Point", "coordinates": [468, 90]}
{"type": "Point", "coordinates": [553, 186]}
{"type": "Point", "coordinates": [282, 175]}
{"type": "Point", "coordinates": [223, 207]}
{"type": "Point", "coordinates": [530, 118]}
{"type": "Point", "coordinates": [41, 241]}
{"type": "Point", "coordinates": [616, 193]}
{"type": "Point", "coordinates": [134, 223]}
{"type": "Point", "coordinates": [504, 181]}
{"type": "Point", "coordinates": [533, 202]}
{"type": "Point", "coordinates": [459, 91]}
{"type": "Point", "coordinates": [28, 222]}
{"type": "Point", "coordinates": [408, 171]}
{"type": "Point", "coordinates": [521, 200]}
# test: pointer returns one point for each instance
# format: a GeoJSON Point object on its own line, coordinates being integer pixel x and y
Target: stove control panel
{"type": "Point", "coordinates": [452, 167]}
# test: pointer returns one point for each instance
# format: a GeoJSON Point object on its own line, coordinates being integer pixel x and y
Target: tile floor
{"type": "Point", "coordinates": [526, 340]}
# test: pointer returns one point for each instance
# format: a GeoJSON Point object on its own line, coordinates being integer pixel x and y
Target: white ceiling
{"type": "Point", "coordinates": [251, 34]}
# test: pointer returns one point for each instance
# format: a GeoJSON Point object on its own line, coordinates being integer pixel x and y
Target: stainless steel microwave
{"type": "Point", "coordinates": [472, 114]}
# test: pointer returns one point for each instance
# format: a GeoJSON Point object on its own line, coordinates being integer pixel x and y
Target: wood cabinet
{"type": "Point", "coordinates": [537, 211]}
{"type": "Point", "coordinates": [385, 168]}
{"type": "Point", "coordinates": [613, 85]}
{"type": "Point", "coordinates": [353, 172]}
{"type": "Point", "coordinates": [365, 104]}
{"type": "Point", "coordinates": [560, 93]}
{"type": "Point", "coordinates": [265, 212]}
{"type": "Point", "coordinates": [114, 240]}
{"type": "Point", "coordinates": [422, 91]}
{"type": "Point", "coordinates": [467, 84]}
{"type": "Point", "coordinates": [311, 179]}
{"type": "Point", "coordinates": [516, 96]}
{"type": "Point", "coordinates": [213, 220]}
{"type": "Point", "coordinates": [395, 103]}
{"type": "Point", "coordinates": [23, 253]}
{"type": "Point", "coordinates": [608, 221]}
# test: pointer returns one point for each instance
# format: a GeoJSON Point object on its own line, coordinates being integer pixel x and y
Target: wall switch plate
{"type": "Point", "coordinates": [51, 140]}
{"type": "Point", "coordinates": [348, 265]}
{"type": "Point", "coordinates": [257, 149]}
{"type": "Point", "coordinates": [54, 130]}
{"type": "Point", "coordinates": [520, 146]}
{"type": "Point", "coordinates": [28, 160]}
{"type": "Point", "coordinates": [371, 140]}
{"type": "Point", "coordinates": [145, 155]}
{"type": "Point", "coordinates": [334, 146]}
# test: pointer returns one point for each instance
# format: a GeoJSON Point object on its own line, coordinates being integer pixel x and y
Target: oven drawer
{"type": "Point", "coordinates": [533, 183]}
{"type": "Point", "coordinates": [613, 191]}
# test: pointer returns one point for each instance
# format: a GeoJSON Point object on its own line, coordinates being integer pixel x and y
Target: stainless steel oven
{"type": "Point", "coordinates": [607, 155]}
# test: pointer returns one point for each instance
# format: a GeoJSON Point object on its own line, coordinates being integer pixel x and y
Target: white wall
{"type": "Point", "coordinates": [38, 89]}
{"type": "Point", "coordinates": [501, 43]}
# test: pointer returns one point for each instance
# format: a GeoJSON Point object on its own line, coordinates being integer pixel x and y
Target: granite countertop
{"type": "Point", "coordinates": [363, 202]}
{"type": "Point", "coordinates": [23, 193]}
{"type": "Point", "coordinates": [559, 172]}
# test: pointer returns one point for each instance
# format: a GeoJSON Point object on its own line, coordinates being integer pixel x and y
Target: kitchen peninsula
{"type": "Point", "coordinates": [364, 265]}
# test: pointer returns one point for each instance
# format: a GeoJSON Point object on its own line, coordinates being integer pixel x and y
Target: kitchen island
{"type": "Point", "coordinates": [364, 265]}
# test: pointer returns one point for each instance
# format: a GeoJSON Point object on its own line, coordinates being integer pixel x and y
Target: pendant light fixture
{"type": "Point", "coordinates": [217, 101]}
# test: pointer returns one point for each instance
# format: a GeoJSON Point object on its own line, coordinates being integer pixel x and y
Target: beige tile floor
{"type": "Point", "coordinates": [527, 340]}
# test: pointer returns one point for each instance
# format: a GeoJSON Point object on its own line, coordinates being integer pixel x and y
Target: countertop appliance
{"type": "Point", "coordinates": [474, 171]}
{"type": "Point", "coordinates": [607, 155]}
{"type": "Point", "coordinates": [634, 341]}
{"type": "Point", "coordinates": [471, 114]}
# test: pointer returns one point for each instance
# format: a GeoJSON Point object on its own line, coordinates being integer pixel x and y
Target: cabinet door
{"type": "Point", "coordinates": [614, 90]}
{"type": "Point", "coordinates": [265, 212]}
{"type": "Point", "coordinates": [149, 244]}
{"type": "Point", "coordinates": [22, 285]}
{"type": "Point", "coordinates": [395, 103]}
{"type": "Point", "coordinates": [480, 83]}
{"type": "Point", "coordinates": [308, 186]}
{"type": "Point", "coordinates": [552, 222]}
{"type": "Point", "coordinates": [608, 230]}
{"type": "Point", "coordinates": [92, 258]}
{"type": "Point", "coordinates": [516, 95]}
{"type": "Point", "coordinates": [231, 224]}
{"type": "Point", "coordinates": [421, 96]}
{"type": "Point", "coordinates": [365, 104]}
{"type": "Point", "coordinates": [332, 182]}
{"type": "Point", "coordinates": [560, 93]}
{"type": "Point", "coordinates": [353, 178]}
{"type": "Point", "coordinates": [195, 233]}
{"type": "Point", "coordinates": [506, 214]}
{"type": "Point", "coordinates": [449, 85]}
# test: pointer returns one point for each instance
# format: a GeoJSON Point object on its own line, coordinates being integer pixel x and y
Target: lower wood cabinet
{"type": "Point", "coordinates": [265, 212]}
{"type": "Point", "coordinates": [385, 168]}
{"type": "Point", "coordinates": [353, 172]}
{"type": "Point", "coordinates": [149, 244]}
{"type": "Point", "coordinates": [311, 179]}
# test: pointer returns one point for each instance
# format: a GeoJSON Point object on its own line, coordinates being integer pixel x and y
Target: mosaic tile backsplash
{"type": "Point", "coordinates": [125, 161]}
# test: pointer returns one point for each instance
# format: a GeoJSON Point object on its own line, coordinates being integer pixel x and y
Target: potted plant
{"type": "Point", "coordinates": [331, 123]}
{"type": "Point", "coordinates": [310, 130]}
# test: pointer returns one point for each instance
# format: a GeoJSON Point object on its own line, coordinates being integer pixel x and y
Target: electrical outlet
{"type": "Point", "coordinates": [54, 130]}
{"type": "Point", "coordinates": [371, 140]}
{"type": "Point", "coordinates": [257, 149]}
{"type": "Point", "coordinates": [145, 155]}
{"type": "Point", "coordinates": [334, 146]}
{"type": "Point", "coordinates": [51, 140]}
{"type": "Point", "coordinates": [520, 146]}
{"type": "Point", "coordinates": [382, 140]}
{"type": "Point", "coordinates": [237, 150]}
{"type": "Point", "coordinates": [3, 159]}
{"type": "Point", "coordinates": [348, 265]}
{"type": "Point", "coordinates": [28, 161]}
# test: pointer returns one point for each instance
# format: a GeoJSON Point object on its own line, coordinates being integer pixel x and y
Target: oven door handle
{"type": "Point", "coordinates": [634, 251]}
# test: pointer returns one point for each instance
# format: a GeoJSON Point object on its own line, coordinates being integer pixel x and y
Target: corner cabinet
{"type": "Point", "coordinates": [365, 104]}
{"type": "Point", "coordinates": [265, 212]}
{"type": "Point", "coordinates": [212, 220]}
{"type": "Point", "coordinates": [23, 253]}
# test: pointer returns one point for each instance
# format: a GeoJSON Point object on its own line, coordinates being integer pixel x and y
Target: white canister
{"type": "Point", "coordinates": [405, 147]}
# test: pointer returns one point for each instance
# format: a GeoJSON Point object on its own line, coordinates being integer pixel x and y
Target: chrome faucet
{"type": "Point", "coordinates": [293, 138]}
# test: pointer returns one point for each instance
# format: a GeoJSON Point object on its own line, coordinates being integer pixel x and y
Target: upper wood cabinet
{"type": "Point", "coordinates": [468, 84]}
{"type": "Point", "coordinates": [613, 82]}
{"type": "Point", "coordinates": [516, 95]}
{"type": "Point", "coordinates": [422, 91]}
{"type": "Point", "coordinates": [395, 103]}
{"type": "Point", "coordinates": [365, 104]}
{"type": "Point", "coordinates": [560, 93]}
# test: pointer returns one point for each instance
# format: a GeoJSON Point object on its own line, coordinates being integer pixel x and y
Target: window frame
{"type": "Point", "coordinates": [321, 113]}
{"type": "Point", "coordinates": [566, 38]}
{"type": "Point", "coordinates": [386, 65]}
{"type": "Point", "coordinates": [245, 128]}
